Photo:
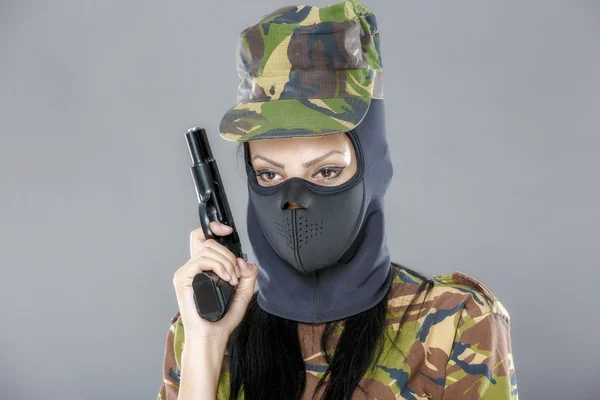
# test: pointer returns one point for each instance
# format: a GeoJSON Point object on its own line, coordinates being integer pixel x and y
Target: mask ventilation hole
{"type": "Point", "coordinates": [308, 231]}
{"type": "Point", "coordinates": [284, 229]}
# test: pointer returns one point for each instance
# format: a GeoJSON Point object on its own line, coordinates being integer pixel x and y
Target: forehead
{"type": "Point", "coordinates": [339, 141]}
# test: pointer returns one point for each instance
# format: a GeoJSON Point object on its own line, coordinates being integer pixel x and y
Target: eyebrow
{"type": "Point", "coordinates": [305, 165]}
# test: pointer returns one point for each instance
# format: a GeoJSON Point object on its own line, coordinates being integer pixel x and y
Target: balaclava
{"type": "Point", "coordinates": [346, 268]}
{"type": "Point", "coordinates": [312, 71]}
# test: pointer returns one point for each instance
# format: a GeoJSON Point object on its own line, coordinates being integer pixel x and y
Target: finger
{"type": "Point", "coordinates": [244, 290]}
{"type": "Point", "coordinates": [185, 275]}
{"type": "Point", "coordinates": [195, 264]}
{"type": "Point", "coordinates": [220, 229]}
{"type": "Point", "coordinates": [223, 259]}
{"type": "Point", "coordinates": [213, 244]}
{"type": "Point", "coordinates": [247, 270]}
{"type": "Point", "coordinates": [196, 239]}
{"type": "Point", "coordinates": [197, 236]}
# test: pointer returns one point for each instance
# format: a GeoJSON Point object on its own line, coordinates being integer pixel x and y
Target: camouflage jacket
{"type": "Point", "coordinates": [458, 347]}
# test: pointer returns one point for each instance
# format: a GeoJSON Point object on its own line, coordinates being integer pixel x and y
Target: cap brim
{"type": "Point", "coordinates": [292, 117]}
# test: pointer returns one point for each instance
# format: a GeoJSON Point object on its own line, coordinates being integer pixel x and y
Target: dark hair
{"type": "Point", "coordinates": [265, 355]}
{"type": "Point", "coordinates": [265, 359]}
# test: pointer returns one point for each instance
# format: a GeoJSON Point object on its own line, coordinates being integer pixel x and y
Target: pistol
{"type": "Point", "coordinates": [212, 294]}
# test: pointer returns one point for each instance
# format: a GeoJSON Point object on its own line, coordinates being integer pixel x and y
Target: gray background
{"type": "Point", "coordinates": [493, 111]}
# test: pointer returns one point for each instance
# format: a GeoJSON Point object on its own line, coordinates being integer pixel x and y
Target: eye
{"type": "Point", "coordinates": [266, 175]}
{"type": "Point", "coordinates": [329, 173]}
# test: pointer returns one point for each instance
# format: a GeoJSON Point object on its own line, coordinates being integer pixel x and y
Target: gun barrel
{"type": "Point", "coordinates": [198, 145]}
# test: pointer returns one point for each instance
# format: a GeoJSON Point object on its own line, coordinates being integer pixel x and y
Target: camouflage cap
{"type": "Point", "coordinates": [305, 71]}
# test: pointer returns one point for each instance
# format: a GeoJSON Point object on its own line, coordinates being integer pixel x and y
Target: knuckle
{"type": "Point", "coordinates": [201, 250]}
{"type": "Point", "coordinates": [177, 274]}
{"type": "Point", "coordinates": [220, 265]}
{"type": "Point", "coordinates": [232, 258]}
{"type": "Point", "coordinates": [176, 282]}
{"type": "Point", "coordinates": [197, 233]}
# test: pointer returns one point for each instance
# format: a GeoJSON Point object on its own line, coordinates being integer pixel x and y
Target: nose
{"type": "Point", "coordinates": [291, 205]}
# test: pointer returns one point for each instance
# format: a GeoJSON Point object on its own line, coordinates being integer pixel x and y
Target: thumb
{"type": "Point", "coordinates": [245, 288]}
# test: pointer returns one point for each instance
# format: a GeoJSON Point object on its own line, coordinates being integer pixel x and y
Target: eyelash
{"type": "Point", "coordinates": [336, 170]}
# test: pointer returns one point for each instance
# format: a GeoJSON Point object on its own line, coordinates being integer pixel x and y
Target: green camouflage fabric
{"type": "Point", "coordinates": [305, 71]}
{"type": "Point", "coordinates": [456, 341]}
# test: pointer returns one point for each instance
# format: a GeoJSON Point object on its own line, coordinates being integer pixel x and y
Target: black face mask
{"type": "Point", "coordinates": [329, 259]}
{"type": "Point", "coordinates": [322, 231]}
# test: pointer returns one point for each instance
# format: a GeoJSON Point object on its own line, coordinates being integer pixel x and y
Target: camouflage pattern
{"type": "Point", "coordinates": [305, 71]}
{"type": "Point", "coordinates": [457, 342]}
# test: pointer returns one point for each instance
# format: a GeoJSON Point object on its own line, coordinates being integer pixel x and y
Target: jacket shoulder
{"type": "Point", "coordinates": [481, 294]}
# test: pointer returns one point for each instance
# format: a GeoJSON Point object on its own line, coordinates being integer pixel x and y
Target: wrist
{"type": "Point", "coordinates": [201, 363]}
{"type": "Point", "coordinates": [204, 346]}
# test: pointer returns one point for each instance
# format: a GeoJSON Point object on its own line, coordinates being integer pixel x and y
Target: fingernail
{"type": "Point", "coordinates": [226, 226]}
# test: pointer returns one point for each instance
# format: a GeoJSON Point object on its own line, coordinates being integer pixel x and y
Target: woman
{"type": "Point", "coordinates": [333, 318]}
